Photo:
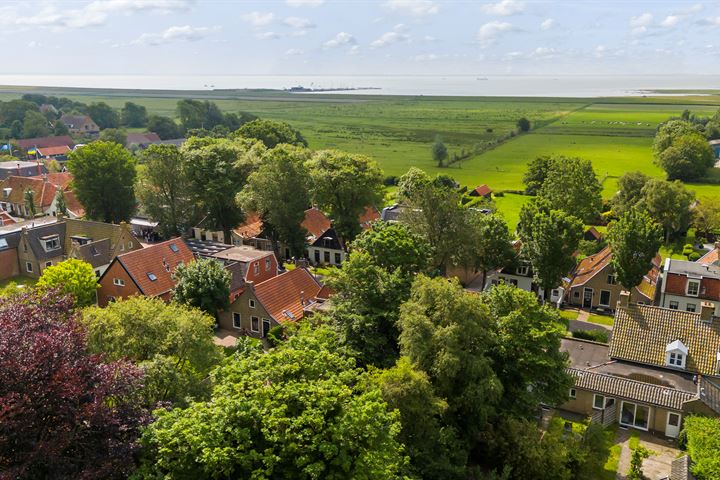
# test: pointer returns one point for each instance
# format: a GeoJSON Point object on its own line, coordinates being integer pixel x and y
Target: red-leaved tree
{"type": "Point", "coordinates": [64, 413]}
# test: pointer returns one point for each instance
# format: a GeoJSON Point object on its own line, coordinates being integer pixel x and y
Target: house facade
{"type": "Point", "coordinates": [686, 285]}
{"type": "Point", "coordinates": [80, 124]}
{"type": "Point", "coordinates": [40, 247]}
{"type": "Point", "coordinates": [593, 284]}
{"type": "Point", "coordinates": [44, 188]}
{"type": "Point", "coordinates": [660, 366]}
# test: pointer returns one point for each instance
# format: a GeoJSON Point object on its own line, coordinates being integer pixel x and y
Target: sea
{"type": "Point", "coordinates": [434, 85]}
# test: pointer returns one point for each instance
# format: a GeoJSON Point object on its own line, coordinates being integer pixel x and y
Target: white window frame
{"type": "Point", "coordinates": [572, 393]}
{"type": "Point", "coordinates": [611, 279]}
{"type": "Point", "coordinates": [256, 268]}
{"type": "Point", "coordinates": [595, 397]}
{"type": "Point", "coordinates": [255, 324]}
{"type": "Point", "coordinates": [237, 324]}
{"type": "Point", "coordinates": [251, 303]}
{"type": "Point", "coordinates": [636, 405]}
{"type": "Point", "coordinates": [692, 281]}
{"type": "Point", "coordinates": [688, 307]}
{"type": "Point", "coordinates": [29, 267]}
{"type": "Point", "coordinates": [674, 305]}
{"type": "Point", "coordinates": [676, 359]}
{"type": "Point", "coordinates": [52, 243]}
{"type": "Point", "coordinates": [118, 282]}
{"type": "Point", "coordinates": [522, 270]}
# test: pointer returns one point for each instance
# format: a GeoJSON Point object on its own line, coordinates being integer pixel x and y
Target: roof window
{"type": "Point", "coordinates": [174, 248]}
{"type": "Point", "coordinates": [152, 276]}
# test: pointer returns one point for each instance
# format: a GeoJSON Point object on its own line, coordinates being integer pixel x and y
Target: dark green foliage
{"type": "Point", "coordinates": [104, 115]}
{"type": "Point", "coordinates": [35, 125]}
{"type": "Point", "coordinates": [629, 192]}
{"type": "Point", "coordinates": [593, 335]}
{"type": "Point", "coordinates": [682, 151]}
{"type": "Point", "coordinates": [114, 135]}
{"type": "Point", "coordinates": [523, 124]}
{"type": "Point", "coordinates": [668, 203]}
{"type": "Point", "coordinates": [634, 240]}
{"type": "Point", "coordinates": [165, 127]}
{"type": "Point", "coordinates": [703, 445]}
{"type": "Point", "coordinates": [133, 115]}
{"type": "Point", "coordinates": [14, 111]}
{"type": "Point", "coordinates": [536, 173]}
{"type": "Point", "coordinates": [394, 246]}
{"type": "Point", "coordinates": [272, 133]}
{"type": "Point", "coordinates": [572, 186]}
{"type": "Point", "coordinates": [203, 284]}
{"type": "Point", "coordinates": [198, 114]}
{"type": "Point", "coordinates": [104, 177]}
{"type": "Point", "coordinates": [439, 152]}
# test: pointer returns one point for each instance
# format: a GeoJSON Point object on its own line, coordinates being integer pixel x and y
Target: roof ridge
{"type": "Point", "coordinates": [631, 380]}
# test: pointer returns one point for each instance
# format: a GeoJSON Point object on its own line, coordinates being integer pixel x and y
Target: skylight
{"type": "Point", "coordinates": [174, 248]}
{"type": "Point", "coordinates": [152, 276]}
{"type": "Point", "coordinates": [3, 243]}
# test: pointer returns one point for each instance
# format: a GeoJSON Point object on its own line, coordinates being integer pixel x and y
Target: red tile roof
{"type": "Point", "coordinates": [282, 295]}
{"type": "Point", "coordinates": [676, 284]}
{"type": "Point", "coordinates": [142, 138]}
{"type": "Point", "coordinates": [6, 218]}
{"type": "Point", "coordinates": [251, 228]}
{"type": "Point", "coordinates": [73, 205]}
{"type": "Point", "coordinates": [590, 266]}
{"type": "Point", "coordinates": [368, 216]}
{"type": "Point", "coordinates": [482, 190]}
{"type": "Point", "coordinates": [159, 260]}
{"type": "Point", "coordinates": [316, 222]}
{"type": "Point", "coordinates": [43, 191]}
{"type": "Point", "coordinates": [50, 151]}
{"type": "Point", "coordinates": [41, 142]}
{"type": "Point", "coordinates": [60, 179]}
{"type": "Point", "coordinates": [710, 258]}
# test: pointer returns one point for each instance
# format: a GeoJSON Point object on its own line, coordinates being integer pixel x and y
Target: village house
{"type": "Point", "coordinates": [44, 190]}
{"type": "Point", "coordinates": [147, 271]}
{"type": "Point", "coordinates": [58, 153]}
{"type": "Point", "coordinates": [26, 144]}
{"type": "Point", "coordinates": [661, 365]}
{"type": "Point", "coordinates": [40, 247]}
{"type": "Point", "coordinates": [593, 284]}
{"type": "Point", "coordinates": [279, 300]}
{"type": "Point", "coordinates": [80, 124]}
{"type": "Point", "coordinates": [141, 140]}
{"type": "Point", "coordinates": [97, 243]}
{"type": "Point", "coordinates": [21, 169]}
{"type": "Point", "coordinates": [481, 191]}
{"type": "Point", "coordinates": [712, 257]}
{"type": "Point", "coordinates": [686, 285]}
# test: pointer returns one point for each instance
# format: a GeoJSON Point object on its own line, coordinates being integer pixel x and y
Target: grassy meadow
{"type": "Point", "coordinates": [616, 134]}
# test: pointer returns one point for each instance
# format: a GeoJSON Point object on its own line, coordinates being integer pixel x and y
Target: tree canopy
{"type": "Point", "coordinates": [104, 115]}
{"type": "Point", "coordinates": [272, 133]}
{"type": "Point", "coordinates": [668, 203]}
{"type": "Point", "coordinates": [629, 191]}
{"type": "Point", "coordinates": [103, 180]}
{"type": "Point", "coordinates": [703, 443]}
{"type": "Point", "coordinates": [634, 240]}
{"type": "Point", "coordinates": [572, 186]}
{"type": "Point", "coordinates": [682, 151]}
{"type": "Point", "coordinates": [204, 284]}
{"type": "Point", "coordinates": [165, 127]}
{"type": "Point", "coordinates": [73, 277]}
{"type": "Point", "coordinates": [133, 115]}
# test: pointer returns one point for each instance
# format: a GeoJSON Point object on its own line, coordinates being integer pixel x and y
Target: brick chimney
{"type": "Point", "coordinates": [707, 310]}
{"type": "Point", "coordinates": [624, 299]}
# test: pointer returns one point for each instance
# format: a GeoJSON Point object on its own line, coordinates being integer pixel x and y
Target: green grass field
{"type": "Point", "coordinates": [614, 133]}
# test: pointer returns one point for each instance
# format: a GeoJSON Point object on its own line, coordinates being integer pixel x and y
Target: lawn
{"type": "Point", "coordinates": [600, 319]}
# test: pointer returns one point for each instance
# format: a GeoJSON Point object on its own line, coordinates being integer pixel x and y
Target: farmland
{"type": "Point", "coordinates": [615, 134]}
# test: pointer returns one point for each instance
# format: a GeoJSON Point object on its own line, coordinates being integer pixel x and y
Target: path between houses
{"type": "Point", "coordinates": [657, 466]}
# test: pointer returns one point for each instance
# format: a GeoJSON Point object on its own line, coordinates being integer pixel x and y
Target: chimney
{"type": "Point", "coordinates": [18, 169]}
{"type": "Point", "coordinates": [707, 310]}
{"type": "Point", "coordinates": [624, 300]}
{"type": "Point", "coordinates": [302, 298]}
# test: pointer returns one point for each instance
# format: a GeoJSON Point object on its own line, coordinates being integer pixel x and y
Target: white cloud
{"type": "Point", "coordinates": [643, 20]}
{"type": "Point", "coordinates": [544, 52]}
{"type": "Point", "coordinates": [342, 38]}
{"type": "Point", "coordinates": [417, 8]}
{"type": "Point", "coordinates": [489, 31]}
{"type": "Point", "coordinates": [547, 24]}
{"type": "Point", "coordinates": [259, 19]}
{"type": "Point", "coordinates": [177, 33]}
{"type": "Point", "coordinates": [504, 7]}
{"type": "Point", "coordinates": [354, 50]}
{"type": "Point", "coordinates": [299, 23]}
{"type": "Point", "coordinates": [600, 51]}
{"type": "Point", "coordinates": [268, 35]}
{"type": "Point", "coordinates": [671, 20]}
{"type": "Point", "coordinates": [388, 38]}
{"type": "Point", "coordinates": [34, 44]}
{"type": "Point", "coordinates": [304, 3]}
{"type": "Point", "coordinates": [294, 52]}
{"type": "Point", "coordinates": [97, 12]}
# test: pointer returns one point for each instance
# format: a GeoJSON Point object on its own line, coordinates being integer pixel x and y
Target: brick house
{"type": "Point", "coordinates": [147, 271]}
{"type": "Point", "coordinates": [80, 124]}
{"type": "Point", "coordinates": [686, 284]}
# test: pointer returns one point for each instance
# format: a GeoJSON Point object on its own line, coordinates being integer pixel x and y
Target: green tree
{"type": "Point", "coordinates": [572, 186]}
{"type": "Point", "coordinates": [550, 237]}
{"type": "Point", "coordinates": [636, 461]}
{"type": "Point", "coordinates": [104, 115]}
{"type": "Point", "coordinates": [428, 443]}
{"type": "Point", "coordinates": [668, 132]}
{"type": "Point", "coordinates": [30, 208]}
{"type": "Point", "coordinates": [35, 125]}
{"type": "Point", "coordinates": [217, 170]}
{"type": "Point", "coordinates": [172, 343]}
{"type": "Point", "coordinates": [198, 114]}
{"type": "Point", "coordinates": [634, 240]}
{"type": "Point", "coordinates": [526, 356]}
{"type": "Point", "coordinates": [344, 185]}
{"type": "Point", "coordinates": [293, 412]}
{"type": "Point", "coordinates": [164, 189]}
{"type": "Point", "coordinates": [487, 243]}
{"type": "Point", "coordinates": [133, 115]}
{"type": "Point", "coordinates": [103, 180]}
{"type": "Point", "coordinates": [74, 277]}
{"type": "Point", "coordinates": [165, 127]}
{"type": "Point", "coordinates": [703, 444]}
{"type": "Point", "coordinates": [271, 133]}
{"type": "Point", "coordinates": [394, 246]}
{"type": "Point", "coordinates": [445, 333]}
{"type": "Point", "coordinates": [523, 125]}
{"type": "Point", "coordinates": [439, 152]}
{"type": "Point", "coordinates": [59, 128]}
{"type": "Point", "coordinates": [14, 111]}
{"type": "Point", "coordinates": [60, 203]}
{"type": "Point", "coordinates": [114, 135]}
{"type": "Point", "coordinates": [279, 192]}
{"type": "Point", "coordinates": [629, 191]}
{"type": "Point", "coordinates": [688, 158]}
{"type": "Point", "coordinates": [204, 284]}
{"type": "Point", "coordinates": [668, 203]}
{"type": "Point", "coordinates": [706, 216]}
{"type": "Point", "coordinates": [536, 173]}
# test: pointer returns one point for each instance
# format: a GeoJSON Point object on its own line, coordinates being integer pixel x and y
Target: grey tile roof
{"type": "Point", "coordinates": [34, 236]}
{"type": "Point", "coordinates": [641, 334]}
{"type": "Point", "coordinates": [95, 253]}
{"type": "Point", "coordinates": [680, 469]}
{"type": "Point", "coordinates": [634, 390]}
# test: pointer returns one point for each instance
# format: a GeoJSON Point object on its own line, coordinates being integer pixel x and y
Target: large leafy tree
{"type": "Point", "coordinates": [439, 152]}
{"type": "Point", "coordinates": [204, 284]}
{"type": "Point", "coordinates": [165, 127]}
{"type": "Point", "coordinates": [73, 277]}
{"type": "Point", "coordinates": [536, 173]}
{"type": "Point", "coordinates": [394, 246]}
{"type": "Point", "coordinates": [15, 110]}
{"type": "Point", "coordinates": [688, 158]}
{"type": "Point", "coordinates": [446, 333]}
{"type": "Point", "coordinates": [35, 125]}
{"type": "Point", "coordinates": [297, 411]}
{"type": "Point", "coordinates": [634, 240]}
{"type": "Point", "coordinates": [572, 186]}
{"type": "Point", "coordinates": [280, 191]}
{"type": "Point", "coordinates": [487, 244]}
{"type": "Point", "coordinates": [550, 238]}
{"type": "Point", "coordinates": [198, 114]}
{"type": "Point", "coordinates": [344, 185]}
{"type": "Point", "coordinates": [669, 132]}
{"type": "Point", "coordinates": [271, 133]}
{"type": "Point", "coordinates": [104, 115]}
{"type": "Point", "coordinates": [133, 115]}
{"type": "Point", "coordinates": [629, 191]}
{"type": "Point", "coordinates": [706, 216]}
{"type": "Point", "coordinates": [526, 355]}
{"type": "Point", "coordinates": [668, 203]}
{"type": "Point", "coordinates": [114, 135]}
{"type": "Point", "coordinates": [164, 189]}
{"type": "Point", "coordinates": [217, 171]}
{"type": "Point", "coordinates": [64, 413]}
{"type": "Point", "coordinates": [103, 180]}
{"type": "Point", "coordinates": [172, 343]}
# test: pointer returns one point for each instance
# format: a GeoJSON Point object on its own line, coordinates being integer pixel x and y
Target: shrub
{"type": "Point", "coordinates": [499, 194]}
{"type": "Point", "coordinates": [694, 257]}
{"type": "Point", "coordinates": [275, 335]}
{"type": "Point", "coordinates": [592, 335]}
{"type": "Point", "coordinates": [703, 443]}
{"type": "Point", "coordinates": [390, 180]}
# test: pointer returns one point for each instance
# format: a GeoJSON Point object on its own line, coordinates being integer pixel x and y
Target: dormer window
{"type": "Point", "coordinates": [676, 354]}
{"type": "Point", "coordinates": [51, 242]}
{"type": "Point", "coordinates": [523, 270]}
{"type": "Point", "coordinates": [693, 288]}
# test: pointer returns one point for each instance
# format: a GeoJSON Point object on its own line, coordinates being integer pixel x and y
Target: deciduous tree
{"type": "Point", "coordinates": [629, 191]}
{"type": "Point", "coordinates": [73, 277]}
{"type": "Point", "coordinates": [688, 158]}
{"type": "Point", "coordinates": [272, 133]}
{"type": "Point", "coordinates": [634, 240]}
{"type": "Point", "coordinates": [668, 203]}
{"type": "Point", "coordinates": [165, 127]}
{"type": "Point", "coordinates": [104, 115]}
{"type": "Point", "coordinates": [35, 125]}
{"type": "Point", "coordinates": [133, 115]}
{"type": "Point", "coordinates": [114, 135]}
{"type": "Point", "coordinates": [439, 152]}
{"type": "Point", "coordinates": [394, 246]}
{"type": "Point", "coordinates": [572, 186]}
{"type": "Point", "coordinates": [536, 173]}
{"type": "Point", "coordinates": [204, 284]}
{"type": "Point", "coordinates": [103, 180]}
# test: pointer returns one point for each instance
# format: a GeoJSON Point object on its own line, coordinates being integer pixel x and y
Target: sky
{"type": "Point", "coordinates": [352, 37]}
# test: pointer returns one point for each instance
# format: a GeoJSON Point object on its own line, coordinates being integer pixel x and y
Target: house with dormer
{"type": "Point", "coordinates": [660, 366]}
{"type": "Point", "coordinates": [686, 285]}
